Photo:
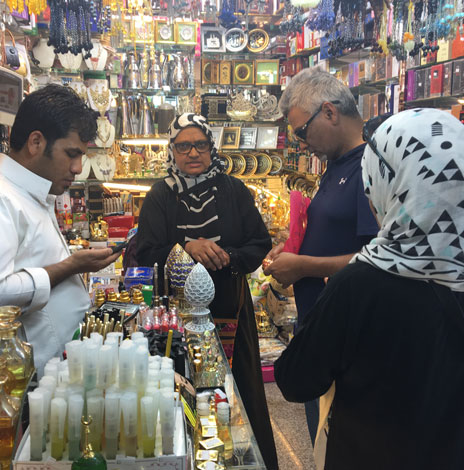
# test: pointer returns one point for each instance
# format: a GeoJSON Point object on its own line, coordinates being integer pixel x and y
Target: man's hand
{"type": "Point", "coordinates": [275, 251]}
{"type": "Point", "coordinates": [208, 253]}
{"type": "Point", "coordinates": [285, 268]}
{"type": "Point", "coordinates": [90, 261]}
{"type": "Point", "coordinates": [82, 261]}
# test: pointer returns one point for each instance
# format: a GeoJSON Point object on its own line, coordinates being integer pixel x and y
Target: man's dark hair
{"type": "Point", "coordinates": [54, 110]}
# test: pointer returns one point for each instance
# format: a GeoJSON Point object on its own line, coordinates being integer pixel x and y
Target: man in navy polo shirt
{"type": "Point", "coordinates": [324, 117]}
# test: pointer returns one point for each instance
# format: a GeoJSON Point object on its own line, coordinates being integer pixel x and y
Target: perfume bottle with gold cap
{"type": "Point", "coordinates": [89, 460]}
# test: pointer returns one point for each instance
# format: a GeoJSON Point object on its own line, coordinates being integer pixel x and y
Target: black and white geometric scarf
{"type": "Point", "coordinates": [197, 215]}
{"type": "Point", "coordinates": [421, 210]}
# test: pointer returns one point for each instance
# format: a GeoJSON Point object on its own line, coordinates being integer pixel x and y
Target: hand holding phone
{"type": "Point", "coordinates": [120, 247]}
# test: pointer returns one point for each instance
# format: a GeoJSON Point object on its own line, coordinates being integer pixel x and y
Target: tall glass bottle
{"type": "Point", "coordinates": [89, 460]}
{"type": "Point", "coordinates": [8, 420]}
{"type": "Point", "coordinates": [18, 356]}
{"type": "Point", "coordinates": [7, 376]}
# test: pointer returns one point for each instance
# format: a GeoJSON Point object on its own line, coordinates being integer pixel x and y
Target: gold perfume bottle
{"type": "Point", "coordinates": [8, 420]}
{"type": "Point", "coordinates": [18, 355]}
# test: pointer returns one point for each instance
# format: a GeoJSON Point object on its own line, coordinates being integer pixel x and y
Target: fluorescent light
{"type": "Point", "coordinates": [128, 187]}
{"type": "Point", "coordinates": [153, 141]}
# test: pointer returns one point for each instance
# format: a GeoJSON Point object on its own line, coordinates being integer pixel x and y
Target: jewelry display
{"type": "Point", "coordinates": [99, 98]}
{"type": "Point", "coordinates": [103, 166]}
{"type": "Point", "coordinates": [69, 61]}
{"type": "Point", "coordinates": [80, 89]}
{"type": "Point", "coordinates": [86, 167]}
{"type": "Point", "coordinates": [96, 59]}
{"type": "Point", "coordinates": [105, 133]}
{"type": "Point", "coordinates": [70, 27]}
{"type": "Point", "coordinates": [44, 54]}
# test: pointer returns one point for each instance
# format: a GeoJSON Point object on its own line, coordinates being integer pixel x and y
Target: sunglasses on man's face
{"type": "Point", "coordinates": [300, 132]}
{"type": "Point", "coordinates": [369, 128]}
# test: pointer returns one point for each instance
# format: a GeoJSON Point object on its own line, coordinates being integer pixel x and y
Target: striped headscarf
{"type": "Point", "coordinates": [197, 215]}
{"type": "Point", "coordinates": [177, 180]}
{"type": "Point", "coordinates": [421, 209]}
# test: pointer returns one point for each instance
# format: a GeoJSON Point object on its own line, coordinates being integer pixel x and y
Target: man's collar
{"type": "Point", "coordinates": [25, 179]}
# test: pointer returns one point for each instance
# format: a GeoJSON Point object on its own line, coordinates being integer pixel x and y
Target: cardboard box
{"type": "Point", "coordinates": [457, 86]}
{"type": "Point", "coordinates": [362, 71]}
{"type": "Point", "coordinates": [419, 81]}
{"type": "Point", "coordinates": [410, 85]}
{"type": "Point", "coordinates": [445, 50]}
{"type": "Point", "coordinates": [436, 81]}
{"type": "Point", "coordinates": [428, 82]}
{"type": "Point", "coordinates": [447, 78]}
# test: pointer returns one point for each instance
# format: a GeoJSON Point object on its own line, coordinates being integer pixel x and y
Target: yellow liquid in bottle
{"type": "Point", "coordinates": [7, 435]}
{"type": "Point", "coordinates": [21, 380]}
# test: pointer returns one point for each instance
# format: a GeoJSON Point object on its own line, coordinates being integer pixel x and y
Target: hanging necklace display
{"type": "Point", "coordinates": [80, 89]}
{"type": "Point", "coordinates": [99, 98]}
{"type": "Point", "coordinates": [70, 61]}
{"type": "Point", "coordinates": [70, 26]}
{"type": "Point", "coordinates": [105, 133]}
{"type": "Point", "coordinates": [97, 58]}
{"type": "Point", "coordinates": [103, 166]}
{"type": "Point", "coordinates": [44, 54]}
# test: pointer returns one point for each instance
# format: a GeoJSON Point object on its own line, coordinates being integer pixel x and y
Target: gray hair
{"type": "Point", "coordinates": [311, 87]}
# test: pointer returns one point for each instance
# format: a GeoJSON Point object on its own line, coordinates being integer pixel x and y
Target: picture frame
{"type": "Point", "coordinates": [225, 71]}
{"type": "Point", "coordinates": [243, 72]}
{"type": "Point", "coordinates": [258, 40]}
{"type": "Point", "coordinates": [248, 137]}
{"type": "Point", "coordinates": [210, 72]}
{"type": "Point", "coordinates": [164, 32]}
{"type": "Point", "coordinates": [230, 138]}
{"type": "Point", "coordinates": [235, 39]}
{"type": "Point", "coordinates": [267, 72]}
{"type": "Point", "coordinates": [217, 136]}
{"type": "Point", "coordinates": [267, 137]}
{"type": "Point", "coordinates": [212, 39]}
{"type": "Point", "coordinates": [185, 32]}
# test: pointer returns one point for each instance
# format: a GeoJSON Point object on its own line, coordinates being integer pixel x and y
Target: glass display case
{"type": "Point", "coordinates": [245, 448]}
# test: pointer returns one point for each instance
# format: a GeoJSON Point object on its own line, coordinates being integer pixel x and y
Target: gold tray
{"type": "Point", "coordinates": [264, 165]}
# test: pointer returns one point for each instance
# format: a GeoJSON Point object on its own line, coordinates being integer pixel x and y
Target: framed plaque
{"type": "Point", "coordinates": [244, 72]}
{"type": "Point", "coordinates": [186, 32]}
{"type": "Point", "coordinates": [212, 39]}
{"type": "Point", "coordinates": [164, 32]}
{"type": "Point", "coordinates": [248, 137]}
{"type": "Point", "coordinates": [231, 138]}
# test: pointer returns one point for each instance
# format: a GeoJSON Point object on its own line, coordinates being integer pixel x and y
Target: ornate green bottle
{"type": "Point", "coordinates": [89, 460]}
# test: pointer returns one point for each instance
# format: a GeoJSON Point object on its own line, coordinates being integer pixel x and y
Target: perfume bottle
{"type": "Point", "coordinates": [89, 459]}
{"type": "Point", "coordinates": [8, 420]}
{"type": "Point", "coordinates": [18, 355]}
{"type": "Point", "coordinates": [7, 376]}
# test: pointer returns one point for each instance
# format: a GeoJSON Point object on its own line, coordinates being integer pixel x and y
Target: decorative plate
{"type": "Point", "coordinates": [228, 163]}
{"type": "Point", "coordinates": [258, 40]}
{"type": "Point", "coordinates": [264, 165]}
{"type": "Point", "coordinates": [277, 164]}
{"type": "Point", "coordinates": [251, 165]}
{"type": "Point", "coordinates": [235, 40]}
{"type": "Point", "coordinates": [238, 164]}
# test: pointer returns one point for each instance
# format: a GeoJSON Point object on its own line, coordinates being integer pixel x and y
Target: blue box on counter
{"type": "Point", "coordinates": [138, 275]}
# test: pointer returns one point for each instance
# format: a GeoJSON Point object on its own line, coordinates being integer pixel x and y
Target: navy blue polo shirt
{"type": "Point", "coordinates": [339, 221]}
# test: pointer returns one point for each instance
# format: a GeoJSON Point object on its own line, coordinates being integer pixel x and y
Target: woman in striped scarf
{"type": "Point", "coordinates": [213, 216]}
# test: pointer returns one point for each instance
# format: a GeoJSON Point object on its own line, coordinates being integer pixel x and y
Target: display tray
{"type": "Point", "coordinates": [178, 461]}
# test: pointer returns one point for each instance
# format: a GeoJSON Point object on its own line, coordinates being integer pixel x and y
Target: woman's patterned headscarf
{"type": "Point", "coordinates": [177, 180]}
{"type": "Point", "coordinates": [421, 209]}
